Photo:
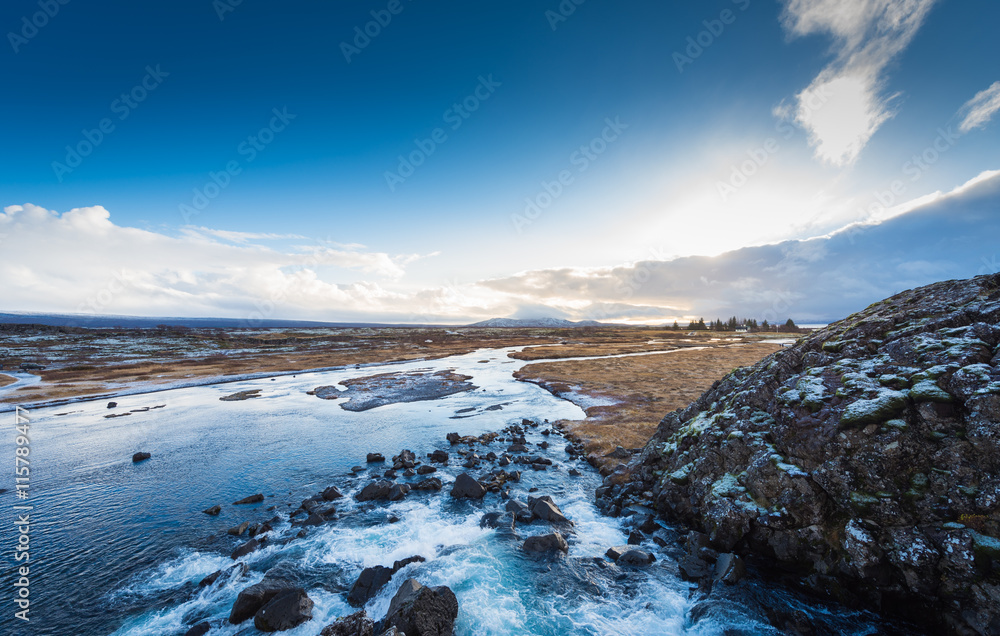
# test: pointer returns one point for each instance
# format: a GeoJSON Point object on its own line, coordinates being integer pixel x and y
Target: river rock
{"type": "Point", "coordinates": [426, 470]}
{"type": "Point", "coordinates": [368, 583]}
{"type": "Point", "coordinates": [398, 491]}
{"type": "Point", "coordinates": [438, 457]}
{"type": "Point", "coordinates": [140, 456]}
{"type": "Point", "coordinates": [519, 510]}
{"type": "Point", "coordinates": [285, 611]}
{"type": "Point", "coordinates": [375, 458]}
{"type": "Point", "coordinates": [356, 624]}
{"type": "Point", "coordinates": [729, 568]}
{"type": "Point", "coordinates": [417, 610]}
{"type": "Point", "coordinates": [252, 499]}
{"type": "Point", "coordinates": [200, 629]}
{"type": "Point", "coordinates": [545, 509]}
{"type": "Point", "coordinates": [255, 597]}
{"type": "Point", "coordinates": [331, 493]}
{"type": "Point", "coordinates": [233, 571]}
{"type": "Point", "coordinates": [467, 487]}
{"type": "Point", "coordinates": [214, 510]}
{"type": "Point", "coordinates": [250, 546]}
{"type": "Point", "coordinates": [375, 491]}
{"type": "Point", "coordinates": [546, 543]}
{"type": "Point", "coordinates": [237, 531]}
{"type": "Point", "coordinates": [851, 458]}
{"type": "Point", "coordinates": [636, 557]}
{"type": "Point", "coordinates": [432, 483]}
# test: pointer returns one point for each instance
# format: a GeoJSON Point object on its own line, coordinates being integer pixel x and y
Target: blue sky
{"type": "Point", "coordinates": [611, 134]}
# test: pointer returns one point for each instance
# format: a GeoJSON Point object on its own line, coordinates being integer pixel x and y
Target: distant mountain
{"type": "Point", "coordinates": [535, 323]}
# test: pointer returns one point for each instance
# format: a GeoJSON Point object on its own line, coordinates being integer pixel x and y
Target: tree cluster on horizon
{"type": "Point", "coordinates": [734, 323]}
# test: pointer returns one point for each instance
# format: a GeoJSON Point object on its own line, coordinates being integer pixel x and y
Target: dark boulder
{"type": "Point", "coordinates": [636, 557]}
{"type": "Point", "coordinates": [438, 457]}
{"type": "Point", "coordinates": [546, 543]}
{"type": "Point", "coordinates": [285, 611]}
{"type": "Point", "coordinates": [467, 488]}
{"type": "Point", "coordinates": [140, 456]}
{"type": "Point", "coordinates": [331, 493]}
{"type": "Point", "coordinates": [375, 458]}
{"type": "Point", "coordinates": [417, 610]}
{"type": "Point", "coordinates": [398, 491]}
{"type": "Point", "coordinates": [200, 629]}
{"type": "Point", "coordinates": [252, 499]}
{"type": "Point", "coordinates": [432, 483]}
{"type": "Point", "coordinates": [238, 531]}
{"type": "Point", "coordinates": [232, 572]}
{"type": "Point", "coordinates": [862, 461]}
{"type": "Point", "coordinates": [356, 624]}
{"type": "Point", "coordinates": [375, 491]}
{"type": "Point", "coordinates": [729, 568]}
{"type": "Point", "coordinates": [112, 405]}
{"type": "Point", "coordinates": [368, 583]}
{"type": "Point", "coordinates": [426, 470]}
{"type": "Point", "coordinates": [214, 510]}
{"type": "Point", "coordinates": [250, 546]}
{"type": "Point", "coordinates": [255, 597]}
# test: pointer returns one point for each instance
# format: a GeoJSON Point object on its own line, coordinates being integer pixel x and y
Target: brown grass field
{"type": "Point", "coordinates": [644, 389]}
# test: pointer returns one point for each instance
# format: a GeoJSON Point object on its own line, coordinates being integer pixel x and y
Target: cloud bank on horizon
{"type": "Point", "coordinates": [208, 273]}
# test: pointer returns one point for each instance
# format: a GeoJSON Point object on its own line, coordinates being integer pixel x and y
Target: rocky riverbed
{"type": "Point", "coordinates": [862, 464]}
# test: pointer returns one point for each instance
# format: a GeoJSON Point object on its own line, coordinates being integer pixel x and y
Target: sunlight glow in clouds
{"type": "Point", "coordinates": [868, 35]}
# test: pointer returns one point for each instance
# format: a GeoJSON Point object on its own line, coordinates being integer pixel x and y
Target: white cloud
{"type": "Point", "coordinates": [846, 103]}
{"type": "Point", "coordinates": [979, 110]}
{"type": "Point", "coordinates": [80, 261]}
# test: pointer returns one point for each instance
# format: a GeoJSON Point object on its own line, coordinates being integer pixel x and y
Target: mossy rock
{"type": "Point", "coordinates": [885, 407]}
{"type": "Point", "coordinates": [929, 391]}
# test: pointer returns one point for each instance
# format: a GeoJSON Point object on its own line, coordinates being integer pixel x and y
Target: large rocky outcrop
{"type": "Point", "coordinates": [864, 461]}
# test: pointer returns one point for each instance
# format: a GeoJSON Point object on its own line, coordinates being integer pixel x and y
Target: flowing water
{"type": "Point", "coordinates": [119, 548]}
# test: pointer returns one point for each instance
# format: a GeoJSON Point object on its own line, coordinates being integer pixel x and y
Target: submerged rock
{"type": "Point", "coordinates": [252, 499]}
{"type": "Point", "coordinates": [214, 510]}
{"type": "Point", "coordinates": [200, 629]}
{"type": "Point", "coordinates": [140, 456]}
{"type": "Point", "coordinates": [866, 458]}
